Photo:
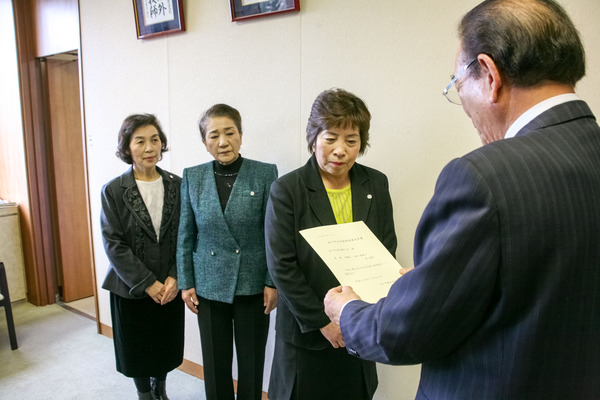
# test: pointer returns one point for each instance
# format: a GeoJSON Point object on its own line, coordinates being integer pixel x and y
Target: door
{"type": "Point", "coordinates": [65, 151]}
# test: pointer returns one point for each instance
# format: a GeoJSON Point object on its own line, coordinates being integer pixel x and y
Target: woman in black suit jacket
{"type": "Point", "coordinates": [139, 220]}
{"type": "Point", "coordinates": [310, 361]}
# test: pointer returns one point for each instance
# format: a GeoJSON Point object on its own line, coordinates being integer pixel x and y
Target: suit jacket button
{"type": "Point", "coordinates": [212, 253]}
{"type": "Point", "coordinates": [369, 196]}
{"type": "Point", "coordinates": [237, 251]}
{"type": "Point", "coordinates": [251, 193]}
{"type": "Point", "coordinates": [352, 351]}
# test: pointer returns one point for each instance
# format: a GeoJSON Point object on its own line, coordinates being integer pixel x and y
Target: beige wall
{"type": "Point", "coordinates": [397, 55]}
{"type": "Point", "coordinates": [13, 177]}
{"type": "Point", "coordinates": [56, 26]}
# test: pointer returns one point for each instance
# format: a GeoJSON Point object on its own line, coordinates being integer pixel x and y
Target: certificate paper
{"type": "Point", "coordinates": [356, 257]}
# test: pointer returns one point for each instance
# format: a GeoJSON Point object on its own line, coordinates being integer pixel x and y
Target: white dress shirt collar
{"type": "Point", "coordinates": [536, 110]}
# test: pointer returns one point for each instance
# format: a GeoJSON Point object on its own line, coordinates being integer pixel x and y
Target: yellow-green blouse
{"type": "Point", "coordinates": [341, 202]}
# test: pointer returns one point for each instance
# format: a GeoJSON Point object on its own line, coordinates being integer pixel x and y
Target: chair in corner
{"type": "Point", "coordinates": [5, 302]}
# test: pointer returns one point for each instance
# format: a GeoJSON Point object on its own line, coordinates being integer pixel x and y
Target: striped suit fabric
{"type": "Point", "coordinates": [504, 300]}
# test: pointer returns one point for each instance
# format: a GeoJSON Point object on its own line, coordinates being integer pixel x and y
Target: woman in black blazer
{"type": "Point", "coordinates": [310, 361]}
{"type": "Point", "coordinates": [139, 220]}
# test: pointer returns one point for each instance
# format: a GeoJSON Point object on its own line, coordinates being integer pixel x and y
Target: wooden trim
{"type": "Point", "coordinates": [191, 368]}
{"type": "Point", "coordinates": [197, 370]}
{"type": "Point", "coordinates": [106, 330]}
{"type": "Point", "coordinates": [38, 243]}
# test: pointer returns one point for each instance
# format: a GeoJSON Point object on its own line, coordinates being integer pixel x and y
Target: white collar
{"type": "Point", "coordinates": [536, 110]}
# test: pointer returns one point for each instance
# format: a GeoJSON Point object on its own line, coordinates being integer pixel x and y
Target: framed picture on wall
{"type": "Point", "coordinates": [158, 17]}
{"type": "Point", "coordinates": [246, 9]}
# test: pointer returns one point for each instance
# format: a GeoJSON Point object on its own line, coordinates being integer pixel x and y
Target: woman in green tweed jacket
{"type": "Point", "coordinates": [221, 261]}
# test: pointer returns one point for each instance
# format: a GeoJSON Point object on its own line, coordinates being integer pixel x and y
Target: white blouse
{"type": "Point", "coordinates": [153, 195]}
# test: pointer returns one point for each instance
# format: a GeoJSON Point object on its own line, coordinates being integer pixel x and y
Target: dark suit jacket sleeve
{"type": "Point", "coordinates": [274, 173]}
{"type": "Point", "coordinates": [130, 269]}
{"type": "Point", "coordinates": [432, 309]}
{"type": "Point", "coordinates": [282, 238]}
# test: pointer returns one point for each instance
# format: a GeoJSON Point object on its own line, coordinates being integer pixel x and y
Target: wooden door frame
{"type": "Point", "coordinates": [62, 100]}
{"type": "Point", "coordinates": [39, 246]}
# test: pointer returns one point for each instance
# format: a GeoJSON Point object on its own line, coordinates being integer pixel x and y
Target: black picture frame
{"type": "Point", "coordinates": [158, 17]}
{"type": "Point", "coordinates": [247, 9]}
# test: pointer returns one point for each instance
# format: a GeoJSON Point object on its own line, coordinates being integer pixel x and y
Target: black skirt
{"type": "Point", "coordinates": [330, 374]}
{"type": "Point", "coordinates": [148, 337]}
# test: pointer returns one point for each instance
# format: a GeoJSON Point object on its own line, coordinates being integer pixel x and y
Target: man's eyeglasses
{"type": "Point", "coordinates": [452, 95]}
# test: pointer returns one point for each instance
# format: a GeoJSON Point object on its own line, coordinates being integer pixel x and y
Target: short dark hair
{"type": "Point", "coordinates": [219, 110]}
{"type": "Point", "coordinates": [129, 126]}
{"type": "Point", "coordinates": [337, 108]}
{"type": "Point", "coordinates": [530, 41]}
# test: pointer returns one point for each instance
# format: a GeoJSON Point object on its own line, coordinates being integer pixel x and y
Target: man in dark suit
{"type": "Point", "coordinates": [504, 299]}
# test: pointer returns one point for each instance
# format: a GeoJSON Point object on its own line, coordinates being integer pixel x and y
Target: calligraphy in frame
{"type": "Point", "coordinates": [158, 17]}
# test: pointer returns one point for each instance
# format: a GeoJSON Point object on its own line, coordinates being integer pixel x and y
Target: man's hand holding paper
{"type": "Point", "coordinates": [356, 257]}
{"type": "Point", "coordinates": [336, 299]}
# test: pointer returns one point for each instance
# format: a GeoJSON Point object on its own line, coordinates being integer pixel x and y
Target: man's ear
{"type": "Point", "coordinates": [491, 76]}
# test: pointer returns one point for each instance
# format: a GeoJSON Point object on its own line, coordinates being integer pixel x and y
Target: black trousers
{"type": "Point", "coordinates": [220, 324]}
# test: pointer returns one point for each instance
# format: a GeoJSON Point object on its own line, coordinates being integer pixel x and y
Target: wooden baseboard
{"type": "Point", "coordinates": [106, 331]}
{"type": "Point", "coordinates": [189, 367]}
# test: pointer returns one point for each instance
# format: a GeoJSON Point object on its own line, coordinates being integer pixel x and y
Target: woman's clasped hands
{"type": "Point", "coordinates": [163, 293]}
